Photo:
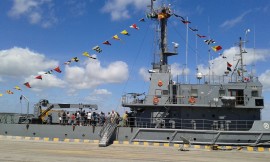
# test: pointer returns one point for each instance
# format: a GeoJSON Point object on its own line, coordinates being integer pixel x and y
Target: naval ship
{"type": "Point", "coordinates": [214, 110]}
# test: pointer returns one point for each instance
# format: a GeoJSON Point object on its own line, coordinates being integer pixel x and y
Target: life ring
{"type": "Point", "coordinates": [191, 100]}
{"type": "Point", "coordinates": [160, 83]}
{"type": "Point", "coordinates": [155, 100]}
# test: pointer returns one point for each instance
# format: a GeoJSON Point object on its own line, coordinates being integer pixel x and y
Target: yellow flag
{"type": "Point", "coordinates": [9, 92]}
{"type": "Point", "coordinates": [86, 54]}
{"type": "Point", "coordinates": [1, 94]}
{"type": "Point", "coordinates": [18, 88]}
{"type": "Point", "coordinates": [124, 32]}
{"type": "Point", "coordinates": [116, 37]}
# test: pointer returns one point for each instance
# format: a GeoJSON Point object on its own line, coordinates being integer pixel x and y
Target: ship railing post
{"type": "Point", "coordinates": [203, 124]}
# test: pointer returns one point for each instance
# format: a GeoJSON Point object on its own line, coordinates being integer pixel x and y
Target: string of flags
{"type": "Point", "coordinates": [116, 37]}
{"type": "Point", "coordinates": [207, 41]}
{"type": "Point", "coordinates": [96, 48]}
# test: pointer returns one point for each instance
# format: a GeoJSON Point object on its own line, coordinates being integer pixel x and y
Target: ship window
{"type": "Point", "coordinates": [239, 95]}
{"type": "Point", "coordinates": [158, 92]}
{"type": "Point", "coordinates": [221, 92]}
{"type": "Point", "coordinates": [259, 102]}
{"type": "Point", "coordinates": [194, 92]}
{"type": "Point", "coordinates": [254, 94]}
{"type": "Point", "coordinates": [165, 92]}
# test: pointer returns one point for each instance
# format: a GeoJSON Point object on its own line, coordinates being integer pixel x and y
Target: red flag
{"type": "Point", "coordinates": [57, 69]}
{"type": "Point", "coordinates": [134, 26]}
{"type": "Point", "coordinates": [229, 65]}
{"type": "Point", "coordinates": [107, 43]}
{"type": "Point", "coordinates": [216, 48]}
{"type": "Point", "coordinates": [39, 77]}
{"type": "Point", "coordinates": [27, 84]}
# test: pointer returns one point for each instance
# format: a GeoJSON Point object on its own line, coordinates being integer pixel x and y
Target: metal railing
{"type": "Point", "coordinates": [212, 79]}
{"type": "Point", "coordinates": [196, 124]}
{"type": "Point", "coordinates": [183, 99]}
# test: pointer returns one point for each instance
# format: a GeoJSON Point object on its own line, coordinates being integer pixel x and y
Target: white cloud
{"type": "Point", "coordinates": [102, 92]}
{"type": "Point", "coordinates": [235, 21]}
{"type": "Point", "coordinates": [35, 11]}
{"type": "Point", "coordinates": [177, 70]}
{"type": "Point", "coordinates": [219, 64]}
{"type": "Point", "coordinates": [98, 96]}
{"type": "Point", "coordinates": [93, 74]}
{"type": "Point", "coordinates": [77, 8]}
{"type": "Point", "coordinates": [48, 80]}
{"type": "Point", "coordinates": [265, 80]}
{"type": "Point", "coordinates": [119, 8]}
{"type": "Point", "coordinates": [144, 73]}
{"type": "Point", "coordinates": [22, 62]}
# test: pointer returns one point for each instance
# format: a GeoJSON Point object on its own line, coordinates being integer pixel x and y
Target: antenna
{"type": "Point", "coordinates": [186, 51]}
{"type": "Point", "coordinates": [209, 72]}
{"type": "Point", "coordinates": [254, 53]}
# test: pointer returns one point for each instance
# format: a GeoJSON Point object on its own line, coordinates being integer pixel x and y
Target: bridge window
{"type": "Point", "coordinates": [221, 92]}
{"type": "Point", "coordinates": [254, 94]}
{"type": "Point", "coordinates": [239, 95]}
{"type": "Point", "coordinates": [165, 92]}
{"type": "Point", "coordinates": [158, 92]}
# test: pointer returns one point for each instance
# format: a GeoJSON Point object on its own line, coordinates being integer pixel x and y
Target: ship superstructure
{"type": "Point", "coordinates": [209, 103]}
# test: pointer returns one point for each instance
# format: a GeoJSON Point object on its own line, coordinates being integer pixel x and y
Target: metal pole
{"type": "Point", "coordinates": [186, 51]}
{"type": "Point", "coordinates": [27, 104]}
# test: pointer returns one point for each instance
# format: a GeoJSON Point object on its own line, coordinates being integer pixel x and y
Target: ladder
{"type": "Point", "coordinates": [107, 132]}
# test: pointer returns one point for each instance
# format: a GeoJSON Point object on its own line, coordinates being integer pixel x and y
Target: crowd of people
{"type": "Point", "coordinates": [83, 118]}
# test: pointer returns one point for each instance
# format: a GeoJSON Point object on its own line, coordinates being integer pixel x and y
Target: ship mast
{"type": "Point", "coordinates": [241, 59]}
{"type": "Point", "coordinates": [162, 14]}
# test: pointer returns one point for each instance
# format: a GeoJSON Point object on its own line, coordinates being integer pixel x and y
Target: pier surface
{"type": "Point", "coordinates": [43, 151]}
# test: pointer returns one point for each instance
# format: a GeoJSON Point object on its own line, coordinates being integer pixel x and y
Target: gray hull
{"type": "Point", "coordinates": [258, 135]}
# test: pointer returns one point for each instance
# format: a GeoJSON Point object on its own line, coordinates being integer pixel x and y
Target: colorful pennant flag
{"type": "Point", "coordinates": [193, 29]}
{"type": "Point", "coordinates": [239, 72]}
{"type": "Point", "coordinates": [229, 66]}
{"type": "Point", "coordinates": [97, 48]}
{"type": "Point", "coordinates": [67, 62]}
{"type": "Point", "coordinates": [201, 36]}
{"type": "Point", "coordinates": [185, 21]}
{"type": "Point", "coordinates": [9, 92]}
{"type": "Point", "coordinates": [88, 55]}
{"type": "Point", "coordinates": [222, 56]}
{"type": "Point", "coordinates": [124, 32]}
{"type": "Point", "coordinates": [209, 41]}
{"type": "Point", "coordinates": [75, 59]}
{"type": "Point", "coordinates": [18, 88]}
{"type": "Point", "coordinates": [39, 77]}
{"type": "Point", "coordinates": [116, 37]}
{"type": "Point", "coordinates": [27, 84]}
{"type": "Point", "coordinates": [57, 69]}
{"type": "Point", "coordinates": [49, 72]}
{"type": "Point", "coordinates": [1, 94]}
{"type": "Point", "coordinates": [134, 26]}
{"type": "Point", "coordinates": [107, 43]}
{"type": "Point", "coordinates": [216, 48]}
{"type": "Point", "coordinates": [142, 20]}
{"type": "Point", "coordinates": [179, 16]}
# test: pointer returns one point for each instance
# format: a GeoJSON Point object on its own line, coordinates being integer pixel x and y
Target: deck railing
{"type": "Point", "coordinates": [196, 124]}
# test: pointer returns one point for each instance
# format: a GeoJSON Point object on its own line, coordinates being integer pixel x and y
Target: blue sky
{"type": "Point", "coordinates": [39, 35]}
